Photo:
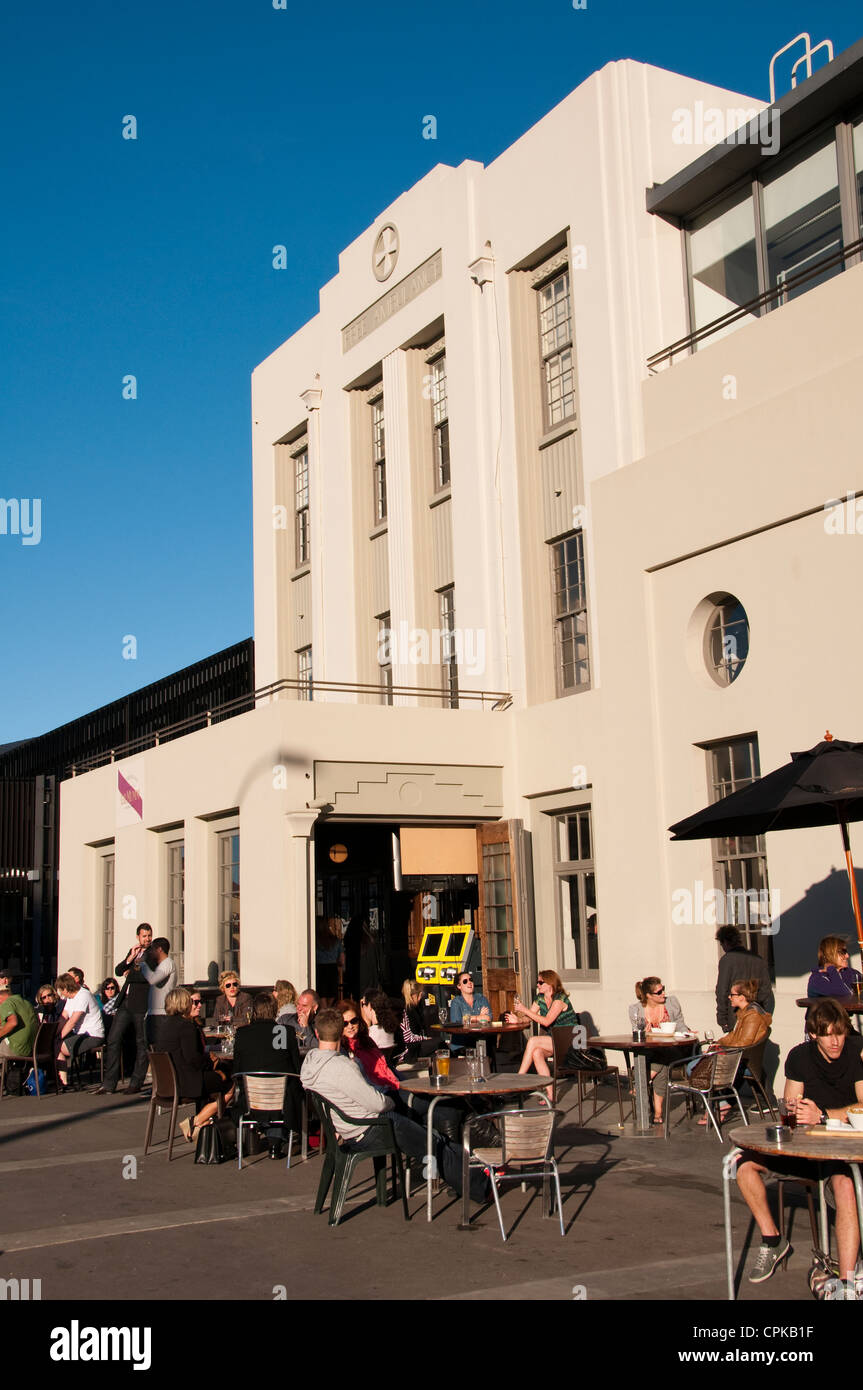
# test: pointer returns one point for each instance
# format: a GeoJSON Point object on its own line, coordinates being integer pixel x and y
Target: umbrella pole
{"type": "Point", "coordinates": [849, 864]}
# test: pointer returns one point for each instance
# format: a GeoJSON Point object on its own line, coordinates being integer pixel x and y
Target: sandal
{"type": "Point", "coordinates": [186, 1130]}
{"type": "Point", "coordinates": [724, 1112]}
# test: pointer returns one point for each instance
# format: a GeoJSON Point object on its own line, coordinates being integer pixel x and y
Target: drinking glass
{"type": "Point", "coordinates": [441, 1059]}
{"type": "Point", "coordinates": [788, 1112]}
{"type": "Point", "coordinates": [443, 1015]}
{"type": "Point", "coordinates": [709, 1035]}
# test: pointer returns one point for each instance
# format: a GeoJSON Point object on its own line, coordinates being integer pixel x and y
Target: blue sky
{"type": "Point", "coordinates": [153, 257]}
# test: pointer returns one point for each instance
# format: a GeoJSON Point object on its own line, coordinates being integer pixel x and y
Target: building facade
{"type": "Point", "coordinates": [529, 587]}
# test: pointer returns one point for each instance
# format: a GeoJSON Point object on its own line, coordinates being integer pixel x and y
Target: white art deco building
{"type": "Point", "coordinates": [528, 587]}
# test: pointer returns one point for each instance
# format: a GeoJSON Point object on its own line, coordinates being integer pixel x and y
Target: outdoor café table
{"type": "Point", "coordinates": [491, 1030]}
{"type": "Point", "coordinates": [852, 1006]}
{"type": "Point", "coordinates": [822, 1147]}
{"type": "Point", "coordinates": [655, 1042]}
{"type": "Point", "coordinates": [499, 1084]}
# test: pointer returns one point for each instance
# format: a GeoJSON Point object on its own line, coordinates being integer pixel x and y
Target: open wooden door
{"type": "Point", "coordinates": [505, 913]}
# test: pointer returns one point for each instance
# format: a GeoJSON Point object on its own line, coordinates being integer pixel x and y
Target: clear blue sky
{"type": "Point", "coordinates": [153, 257]}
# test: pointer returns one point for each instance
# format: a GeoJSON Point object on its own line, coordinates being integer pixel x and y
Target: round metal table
{"type": "Point", "coordinates": [815, 1143]}
{"type": "Point", "coordinates": [656, 1042]}
{"type": "Point", "coordinates": [498, 1084]}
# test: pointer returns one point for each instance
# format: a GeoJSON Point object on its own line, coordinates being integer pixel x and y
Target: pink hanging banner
{"type": "Point", "coordinates": [130, 794]}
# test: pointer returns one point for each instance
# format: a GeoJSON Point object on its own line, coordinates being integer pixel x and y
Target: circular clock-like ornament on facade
{"type": "Point", "coordinates": [338, 853]}
{"type": "Point", "coordinates": [386, 252]}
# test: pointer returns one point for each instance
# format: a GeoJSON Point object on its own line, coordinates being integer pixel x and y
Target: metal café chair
{"type": "Point", "coordinates": [711, 1081]}
{"type": "Point", "coordinates": [526, 1151]}
{"type": "Point", "coordinates": [267, 1092]}
{"type": "Point", "coordinates": [165, 1095]}
{"type": "Point", "coordinates": [44, 1055]}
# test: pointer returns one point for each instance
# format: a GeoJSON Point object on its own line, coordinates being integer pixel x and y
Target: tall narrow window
{"type": "Point", "coordinates": [108, 960]}
{"type": "Point", "coordinates": [301, 503]}
{"type": "Point", "coordinates": [740, 861]}
{"type": "Point", "coordinates": [385, 658]}
{"type": "Point", "coordinates": [304, 673]}
{"type": "Point", "coordinates": [448, 648]}
{"type": "Point", "coordinates": [379, 459]}
{"type": "Point", "coordinates": [575, 876]}
{"type": "Point", "coordinates": [555, 336]}
{"type": "Point", "coordinates": [572, 658]}
{"type": "Point", "coordinates": [176, 903]}
{"type": "Point", "coordinates": [229, 899]}
{"type": "Point", "coordinates": [440, 422]}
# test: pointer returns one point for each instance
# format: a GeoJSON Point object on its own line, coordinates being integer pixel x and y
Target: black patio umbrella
{"type": "Point", "coordinates": [821, 787]}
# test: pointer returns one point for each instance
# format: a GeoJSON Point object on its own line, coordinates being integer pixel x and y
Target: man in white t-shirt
{"type": "Point", "coordinates": [81, 1027]}
{"type": "Point", "coordinates": [159, 972]}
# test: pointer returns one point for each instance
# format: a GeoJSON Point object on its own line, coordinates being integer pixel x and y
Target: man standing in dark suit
{"type": "Point", "coordinates": [131, 1012]}
{"type": "Point", "coordinates": [264, 1045]}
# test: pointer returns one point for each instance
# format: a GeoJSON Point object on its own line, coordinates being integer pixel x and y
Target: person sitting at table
{"type": "Point", "coordinates": [339, 1080]}
{"type": "Point", "coordinates": [81, 1028]}
{"type": "Point", "coordinates": [835, 977]}
{"type": "Point", "coordinates": [48, 1006]}
{"type": "Point", "coordinates": [551, 1008]}
{"type": "Point", "coordinates": [196, 1078]}
{"type": "Point", "coordinates": [823, 1076]}
{"type": "Point", "coordinates": [652, 1009]}
{"type": "Point", "coordinates": [418, 1040]}
{"type": "Point", "coordinates": [752, 1024]}
{"type": "Point", "coordinates": [468, 1003]}
{"type": "Point", "coordinates": [235, 1005]}
{"type": "Point", "coordinates": [286, 1000]}
{"type": "Point", "coordinates": [357, 1042]}
{"type": "Point", "coordinates": [380, 1019]}
{"type": "Point", "coordinates": [266, 1045]}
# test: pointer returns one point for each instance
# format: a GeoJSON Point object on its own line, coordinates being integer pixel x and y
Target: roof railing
{"type": "Point", "coordinates": [304, 690]}
{"type": "Point", "coordinates": [753, 307]}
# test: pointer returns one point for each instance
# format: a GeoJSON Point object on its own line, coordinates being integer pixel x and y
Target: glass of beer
{"type": "Point", "coordinates": [441, 1061]}
{"type": "Point", "coordinates": [788, 1113]}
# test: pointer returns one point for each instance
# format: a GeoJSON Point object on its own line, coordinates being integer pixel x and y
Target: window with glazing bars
{"type": "Point", "coordinates": [108, 915]}
{"type": "Point", "coordinates": [575, 878]}
{"type": "Point", "coordinates": [440, 422]}
{"type": "Point", "coordinates": [229, 899]}
{"type": "Point", "coordinates": [304, 673]}
{"type": "Point", "coordinates": [176, 903]}
{"type": "Point", "coordinates": [497, 906]}
{"type": "Point", "coordinates": [301, 504]}
{"type": "Point", "coordinates": [448, 648]}
{"type": "Point", "coordinates": [572, 657]}
{"type": "Point", "coordinates": [740, 861]}
{"type": "Point", "coordinates": [385, 658]}
{"type": "Point", "coordinates": [379, 461]}
{"type": "Point", "coordinates": [555, 339]}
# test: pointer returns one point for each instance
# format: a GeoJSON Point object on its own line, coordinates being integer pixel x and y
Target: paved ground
{"type": "Point", "coordinates": [643, 1221]}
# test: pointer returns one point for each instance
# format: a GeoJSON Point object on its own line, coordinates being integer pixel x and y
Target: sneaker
{"type": "Point", "coordinates": [767, 1260]}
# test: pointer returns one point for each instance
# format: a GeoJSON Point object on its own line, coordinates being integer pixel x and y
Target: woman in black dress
{"type": "Point", "coordinates": [196, 1077]}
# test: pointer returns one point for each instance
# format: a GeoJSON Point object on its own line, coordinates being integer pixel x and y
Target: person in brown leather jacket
{"type": "Point", "coordinates": [752, 1023]}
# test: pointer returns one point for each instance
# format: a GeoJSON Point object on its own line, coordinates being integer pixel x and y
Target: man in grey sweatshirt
{"type": "Point", "coordinates": [338, 1078]}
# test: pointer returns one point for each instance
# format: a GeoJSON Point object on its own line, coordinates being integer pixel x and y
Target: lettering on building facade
{"type": "Point", "coordinates": [394, 299]}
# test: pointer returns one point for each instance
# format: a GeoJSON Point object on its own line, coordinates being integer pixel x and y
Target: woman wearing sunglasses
{"type": "Point", "coordinates": [653, 1008]}
{"type": "Point", "coordinates": [356, 1041]}
{"type": "Point", "coordinates": [48, 1006]}
{"type": "Point", "coordinates": [235, 1005]}
{"type": "Point", "coordinates": [551, 1008]}
{"type": "Point", "coordinates": [835, 976]}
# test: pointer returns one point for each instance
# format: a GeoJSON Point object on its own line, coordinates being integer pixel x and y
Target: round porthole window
{"type": "Point", "coordinates": [726, 639]}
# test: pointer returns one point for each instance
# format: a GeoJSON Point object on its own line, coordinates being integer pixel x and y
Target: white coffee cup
{"type": "Point", "coordinates": [666, 1027]}
{"type": "Point", "coordinates": [855, 1117]}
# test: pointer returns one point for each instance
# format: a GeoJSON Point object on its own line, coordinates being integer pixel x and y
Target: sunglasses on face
{"type": "Point", "coordinates": [232, 985]}
{"type": "Point", "coordinates": [661, 990]}
{"type": "Point", "coordinates": [350, 1022]}
{"type": "Point", "coordinates": [196, 1003]}
{"type": "Point", "coordinates": [468, 980]}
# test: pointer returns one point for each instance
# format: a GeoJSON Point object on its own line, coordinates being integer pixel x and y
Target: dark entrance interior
{"type": "Point", "coordinates": [367, 933]}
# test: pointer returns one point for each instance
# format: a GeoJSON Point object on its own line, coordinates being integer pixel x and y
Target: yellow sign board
{"type": "Point", "coordinates": [443, 953]}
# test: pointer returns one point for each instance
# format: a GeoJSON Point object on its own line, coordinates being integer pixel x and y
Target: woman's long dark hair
{"type": "Point", "coordinates": [377, 1000]}
{"type": "Point", "coordinates": [346, 1006]}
